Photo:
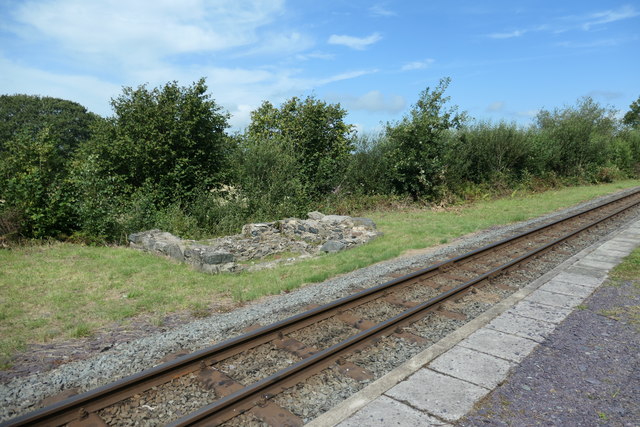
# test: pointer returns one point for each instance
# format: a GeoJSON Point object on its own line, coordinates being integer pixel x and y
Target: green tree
{"type": "Point", "coordinates": [317, 132]}
{"type": "Point", "coordinates": [38, 136]}
{"type": "Point", "coordinates": [632, 117]}
{"type": "Point", "coordinates": [417, 162]}
{"type": "Point", "coordinates": [169, 139]}
{"type": "Point", "coordinates": [576, 138]}
{"type": "Point", "coordinates": [65, 121]}
{"type": "Point", "coordinates": [163, 147]}
{"type": "Point", "coordinates": [33, 184]}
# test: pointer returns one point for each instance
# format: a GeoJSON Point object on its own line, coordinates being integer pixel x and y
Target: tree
{"type": "Point", "coordinates": [33, 185]}
{"type": "Point", "coordinates": [632, 117]}
{"type": "Point", "coordinates": [577, 137]}
{"type": "Point", "coordinates": [38, 137]}
{"type": "Point", "coordinates": [65, 121]}
{"type": "Point", "coordinates": [169, 139]}
{"type": "Point", "coordinates": [417, 164]}
{"type": "Point", "coordinates": [320, 138]}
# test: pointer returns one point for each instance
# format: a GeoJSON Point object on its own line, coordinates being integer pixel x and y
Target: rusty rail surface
{"type": "Point", "coordinates": [80, 407]}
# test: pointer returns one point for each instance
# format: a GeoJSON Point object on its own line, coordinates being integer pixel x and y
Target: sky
{"type": "Point", "coordinates": [506, 59]}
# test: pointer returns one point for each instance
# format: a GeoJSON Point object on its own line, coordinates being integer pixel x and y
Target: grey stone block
{"type": "Point", "coordinates": [554, 299]}
{"type": "Point", "coordinates": [587, 271]}
{"type": "Point", "coordinates": [472, 366]}
{"type": "Point", "coordinates": [540, 311]}
{"type": "Point", "coordinates": [560, 287]}
{"type": "Point", "coordinates": [384, 412]}
{"type": "Point", "coordinates": [440, 395]}
{"type": "Point", "coordinates": [591, 263]}
{"type": "Point", "coordinates": [333, 246]}
{"type": "Point", "coordinates": [579, 279]}
{"type": "Point", "coordinates": [499, 344]}
{"type": "Point", "coordinates": [526, 327]}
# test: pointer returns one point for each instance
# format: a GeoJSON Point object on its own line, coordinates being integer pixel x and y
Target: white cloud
{"type": "Point", "coordinates": [379, 10]}
{"type": "Point", "coordinates": [418, 65]}
{"type": "Point", "coordinates": [495, 107]}
{"type": "Point", "coordinates": [528, 113]}
{"type": "Point", "coordinates": [358, 43]}
{"type": "Point", "coordinates": [138, 31]}
{"type": "Point", "coordinates": [607, 16]}
{"type": "Point", "coordinates": [374, 101]}
{"type": "Point", "coordinates": [88, 91]}
{"type": "Point", "coordinates": [510, 35]}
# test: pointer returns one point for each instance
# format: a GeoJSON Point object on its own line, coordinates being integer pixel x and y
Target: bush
{"type": "Point", "coordinates": [417, 141]}
{"type": "Point", "coordinates": [312, 131]}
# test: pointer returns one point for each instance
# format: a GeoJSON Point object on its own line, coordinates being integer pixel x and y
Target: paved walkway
{"type": "Point", "coordinates": [444, 383]}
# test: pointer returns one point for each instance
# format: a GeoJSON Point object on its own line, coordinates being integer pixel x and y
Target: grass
{"type": "Point", "coordinates": [627, 271]}
{"type": "Point", "coordinates": [59, 290]}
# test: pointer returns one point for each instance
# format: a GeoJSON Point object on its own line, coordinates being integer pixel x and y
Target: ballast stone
{"type": "Point", "coordinates": [298, 238]}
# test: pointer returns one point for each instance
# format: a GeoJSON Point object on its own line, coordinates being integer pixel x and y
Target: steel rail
{"type": "Point", "coordinates": [93, 400]}
{"type": "Point", "coordinates": [269, 386]}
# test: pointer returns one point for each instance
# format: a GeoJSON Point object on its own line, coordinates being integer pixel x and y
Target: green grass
{"type": "Point", "coordinates": [627, 271]}
{"type": "Point", "coordinates": [61, 290]}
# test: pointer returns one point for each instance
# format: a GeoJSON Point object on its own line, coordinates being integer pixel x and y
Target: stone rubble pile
{"type": "Point", "coordinates": [286, 240]}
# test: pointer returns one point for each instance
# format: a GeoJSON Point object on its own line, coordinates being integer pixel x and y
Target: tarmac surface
{"type": "Point", "coordinates": [558, 352]}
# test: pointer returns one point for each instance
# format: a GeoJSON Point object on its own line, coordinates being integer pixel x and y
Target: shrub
{"type": "Point", "coordinates": [416, 156]}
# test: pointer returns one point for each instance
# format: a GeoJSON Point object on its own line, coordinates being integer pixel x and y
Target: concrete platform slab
{"type": "Point", "coordinates": [385, 411]}
{"type": "Point", "coordinates": [591, 263]}
{"type": "Point", "coordinates": [599, 256]}
{"type": "Point", "coordinates": [472, 366]}
{"type": "Point", "coordinates": [588, 271]}
{"type": "Point", "coordinates": [524, 327]}
{"type": "Point", "coordinates": [540, 311]}
{"type": "Point", "coordinates": [438, 394]}
{"type": "Point", "coordinates": [500, 344]}
{"type": "Point", "coordinates": [565, 288]}
{"type": "Point", "coordinates": [579, 279]}
{"type": "Point", "coordinates": [554, 299]}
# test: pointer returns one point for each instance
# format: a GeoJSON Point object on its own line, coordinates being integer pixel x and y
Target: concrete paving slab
{"type": "Point", "coordinates": [500, 344]}
{"type": "Point", "coordinates": [619, 246]}
{"type": "Point", "coordinates": [588, 271]}
{"type": "Point", "coordinates": [524, 327]}
{"type": "Point", "coordinates": [602, 257]}
{"type": "Point", "coordinates": [540, 311]}
{"type": "Point", "coordinates": [560, 287]}
{"type": "Point", "coordinates": [624, 239]}
{"type": "Point", "coordinates": [590, 263]}
{"type": "Point", "coordinates": [472, 366]}
{"type": "Point", "coordinates": [438, 394]}
{"type": "Point", "coordinates": [554, 299]}
{"type": "Point", "coordinates": [385, 411]}
{"type": "Point", "coordinates": [578, 279]}
{"type": "Point", "coordinates": [612, 253]}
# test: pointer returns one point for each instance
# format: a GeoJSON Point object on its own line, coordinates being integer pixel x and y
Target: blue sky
{"type": "Point", "coordinates": [506, 59]}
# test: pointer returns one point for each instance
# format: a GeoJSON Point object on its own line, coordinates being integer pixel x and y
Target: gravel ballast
{"type": "Point", "coordinates": [23, 394]}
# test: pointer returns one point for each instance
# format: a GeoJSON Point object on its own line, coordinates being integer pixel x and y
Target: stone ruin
{"type": "Point", "coordinates": [262, 245]}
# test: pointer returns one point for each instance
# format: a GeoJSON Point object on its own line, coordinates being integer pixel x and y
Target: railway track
{"type": "Point", "coordinates": [323, 337]}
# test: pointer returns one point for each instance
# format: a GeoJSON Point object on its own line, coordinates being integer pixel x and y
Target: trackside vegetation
{"type": "Point", "coordinates": [167, 159]}
{"type": "Point", "coordinates": [59, 290]}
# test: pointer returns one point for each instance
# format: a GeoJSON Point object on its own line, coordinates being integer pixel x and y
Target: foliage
{"type": "Point", "coordinates": [576, 137]}
{"type": "Point", "coordinates": [632, 117]}
{"type": "Point", "coordinates": [168, 139]}
{"type": "Point", "coordinates": [367, 171]}
{"type": "Point", "coordinates": [24, 116]}
{"type": "Point", "coordinates": [33, 185]}
{"type": "Point", "coordinates": [162, 146]}
{"type": "Point", "coordinates": [484, 152]}
{"type": "Point", "coordinates": [416, 159]}
{"type": "Point", "coordinates": [317, 134]}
